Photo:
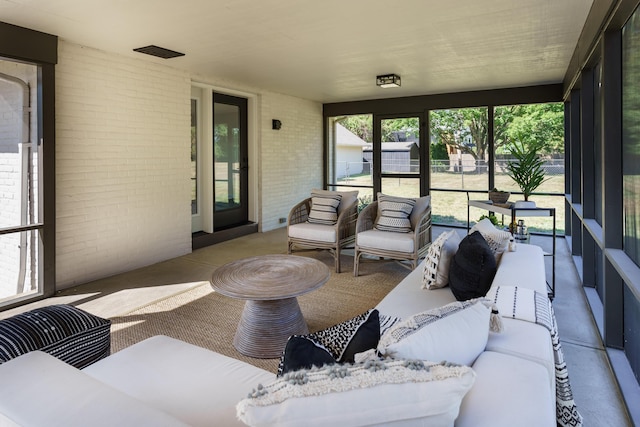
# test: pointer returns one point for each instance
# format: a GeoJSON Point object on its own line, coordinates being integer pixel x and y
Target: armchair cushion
{"type": "Point", "coordinates": [397, 242]}
{"type": "Point", "coordinates": [324, 208]}
{"type": "Point", "coordinates": [394, 213]}
{"type": "Point", "coordinates": [313, 232]}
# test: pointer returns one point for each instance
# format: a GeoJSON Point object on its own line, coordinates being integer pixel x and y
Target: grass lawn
{"type": "Point", "coordinates": [450, 207]}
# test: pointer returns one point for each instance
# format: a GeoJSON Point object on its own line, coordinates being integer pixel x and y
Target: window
{"type": "Point", "coordinates": [631, 136]}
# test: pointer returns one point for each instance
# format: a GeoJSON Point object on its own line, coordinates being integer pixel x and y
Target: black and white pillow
{"type": "Point", "coordinates": [324, 208]}
{"type": "Point", "coordinates": [64, 331]}
{"type": "Point", "coordinates": [339, 343]}
{"type": "Point", "coordinates": [394, 213]}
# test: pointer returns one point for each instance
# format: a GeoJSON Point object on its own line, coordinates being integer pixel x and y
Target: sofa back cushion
{"type": "Point", "coordinates": [324, 208]}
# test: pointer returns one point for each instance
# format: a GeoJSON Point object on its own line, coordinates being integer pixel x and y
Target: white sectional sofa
{"type": "Point", "coordinates": [163, 381]}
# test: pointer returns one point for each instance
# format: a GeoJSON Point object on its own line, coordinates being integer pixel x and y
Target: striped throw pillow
{"type": "Point", "coordinates": [394, 213]}
{"type": "Point", "coordinates": [324, 208]}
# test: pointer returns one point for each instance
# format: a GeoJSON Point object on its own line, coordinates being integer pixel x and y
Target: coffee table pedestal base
{"type": "Point", "coordinates": [265, 326]}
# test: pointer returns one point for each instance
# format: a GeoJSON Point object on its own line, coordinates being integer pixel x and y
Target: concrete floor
{"type": "Point", "coordinates": [595, 389]}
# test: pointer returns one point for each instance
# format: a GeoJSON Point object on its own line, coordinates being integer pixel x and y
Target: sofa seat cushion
{"type": "Point", "coordinates": [313, 232]}
{"type": "Point", "coordinates": [524, 268]}
{"type": "Point", "coordinates": [40, 390]}
{"type": "Point", "coordinates": [191, 383]}
{"type": "Point", "coordinates": [64, 331]}
{"type": "Point", "coordinates": [380, 392]}
{"type": "Point", "coordinates": [408, 297]}
{"type": "Point", "coordinates": [399, 242]}
{"type": "Point", "coordinates": [527, 341]}
{"type": "Point", "coordinates": [509, 391]}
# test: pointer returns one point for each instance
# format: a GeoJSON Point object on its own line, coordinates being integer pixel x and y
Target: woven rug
{"type": "Point", "coordinates": [205, 318]}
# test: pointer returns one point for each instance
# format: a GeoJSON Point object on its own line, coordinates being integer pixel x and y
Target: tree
{"type": "Point", "coordinates": [462, 128]}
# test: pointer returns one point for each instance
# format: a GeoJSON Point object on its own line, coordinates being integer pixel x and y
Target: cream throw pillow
{"type": "Point", "coordinates": [498, 240]}
{"type": "Point", "coordinates": [457, 332]}
{"type": "Point", "coordinates": [378, 392]}
{"type": "Point", "coordinates": [438, 259]}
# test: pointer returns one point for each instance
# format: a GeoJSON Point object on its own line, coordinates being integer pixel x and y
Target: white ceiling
{"type": "Point", "coordinates": [330, 50]}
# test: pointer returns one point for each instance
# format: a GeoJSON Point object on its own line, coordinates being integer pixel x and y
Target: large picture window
{"type": "Point", "coordinates": [631, 136]}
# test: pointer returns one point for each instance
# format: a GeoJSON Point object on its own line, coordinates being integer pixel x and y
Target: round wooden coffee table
{"type": "Point", "coordinates": [270, 285]}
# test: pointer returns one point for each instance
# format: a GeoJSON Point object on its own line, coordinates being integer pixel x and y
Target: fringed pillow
{"type": "Point", "coordinates": [457, 332]}
{"type": "Point", "coordinates": [498, 240]}
{"type": "Point", "coordinates": [378, 392]}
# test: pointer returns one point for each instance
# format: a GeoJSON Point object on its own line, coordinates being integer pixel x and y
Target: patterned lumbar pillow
{"type": "Point", "coordinates": [64, 331]}
{"type": "Point", "coordinates": [472, 269]}
{"type": "Point", "coordinates": [438, 259]}
{"type": "Point", "coordinates": [394, 213]}
{"type": "Point", "coordinates": [498, 240]}
{"type": "Point", "coordinates": [457, 332]}
{"type": "Point", "coordinates": [338, 343]}
{"type": "Point", "coordinates": [374, 392]}
{"type": "Point", "coordinates": [324, 208]}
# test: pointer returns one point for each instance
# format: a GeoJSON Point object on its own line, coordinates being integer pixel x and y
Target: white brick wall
{"type": "Point", "coordinates": [291, 159]}
{"type": "Point", "coordinates": [122, 164]}
{"type": "Point", "coordinates": [123, 173]}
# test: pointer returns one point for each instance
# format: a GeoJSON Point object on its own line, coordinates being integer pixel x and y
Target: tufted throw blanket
{"type": "Point", "coordinates": [531, 306]}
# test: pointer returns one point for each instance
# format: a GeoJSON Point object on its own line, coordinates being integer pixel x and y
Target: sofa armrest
{"type": "Point", "coordinates": [38, 389]}
{"type": "Point", "coordinates": [422, 232]}
{"type": "Point", "coordinates": [346, 224]}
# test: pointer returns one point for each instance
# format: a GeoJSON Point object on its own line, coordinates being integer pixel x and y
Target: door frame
{"type": "Point", "coordinates": [253, 132]}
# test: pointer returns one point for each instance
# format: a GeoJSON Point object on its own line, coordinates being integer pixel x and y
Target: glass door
{"type": "Point", "coordinates": [20, 183]}
{"type": "Point", "coordinates": [230, 161]}
{"type": "Point", "coordinates": [399, 158]}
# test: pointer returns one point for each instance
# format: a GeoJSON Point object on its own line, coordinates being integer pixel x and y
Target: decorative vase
{"type": "Point", "coordinates": [499, 197]}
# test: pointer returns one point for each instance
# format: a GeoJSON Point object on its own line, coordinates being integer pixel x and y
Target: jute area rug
{"type": "Point", "coordinates": [207, 319]}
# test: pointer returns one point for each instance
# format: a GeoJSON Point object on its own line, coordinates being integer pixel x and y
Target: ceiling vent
{"type": "Point", "coordinates": [158, 51]}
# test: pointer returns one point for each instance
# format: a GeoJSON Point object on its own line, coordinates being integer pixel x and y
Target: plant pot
{"type": "Point", "coordinates": [522, 204]}
{"type": "Point", "coordinates": [499, 197]}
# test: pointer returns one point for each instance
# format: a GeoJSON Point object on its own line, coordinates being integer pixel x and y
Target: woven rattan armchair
{"type": "Point", "coordinates": [387, 244]}
{"type": "Point", "coordinates": [303, 235]}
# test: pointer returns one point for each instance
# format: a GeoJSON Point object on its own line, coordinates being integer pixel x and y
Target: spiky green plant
{"type": "Point", "coordinates": [526, 170]}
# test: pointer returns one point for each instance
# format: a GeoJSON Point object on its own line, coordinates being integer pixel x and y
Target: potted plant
{"type": "Point", "coordinates": [525, 168]}
{"type": "Point", "coordinates": [499, 197]}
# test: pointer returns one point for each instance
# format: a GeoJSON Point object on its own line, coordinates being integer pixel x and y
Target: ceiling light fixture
{"type": "Point", "coordinates": [388, 80]}
{"type": "Point", "coordinates": [158, 51]}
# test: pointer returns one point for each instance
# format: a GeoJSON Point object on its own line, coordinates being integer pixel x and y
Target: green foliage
{"type": "Point", "coordinates": [363, 201]}
{"type": "Point", "coordinates": [526, 170]}
{"type": "Point", "coordinates": [438, 152]}
{"type": "Point", "coordinates": [492, 217]}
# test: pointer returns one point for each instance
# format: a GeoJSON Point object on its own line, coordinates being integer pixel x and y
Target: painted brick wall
{"type": "Point", "coordinates": [291, 159]}
{"type": "Point", "coordinates": [123, 170]}
{"type": "Point", "coordinates": [122, 164]}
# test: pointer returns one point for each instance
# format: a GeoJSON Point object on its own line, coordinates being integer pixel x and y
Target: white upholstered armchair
{"type": "Point", "coordinates": [308, 229]}
{"type": "Point", "coordinates": [388, 239]}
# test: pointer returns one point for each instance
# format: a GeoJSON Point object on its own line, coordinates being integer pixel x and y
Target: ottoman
{"type": "Point", "coordinates": [64, 331]}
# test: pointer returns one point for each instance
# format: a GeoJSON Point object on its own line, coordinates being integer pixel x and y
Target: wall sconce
{"type": "Point", "coordinates": [388, 80]}
{"type": "Point", "coordinates": [276, 124]}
